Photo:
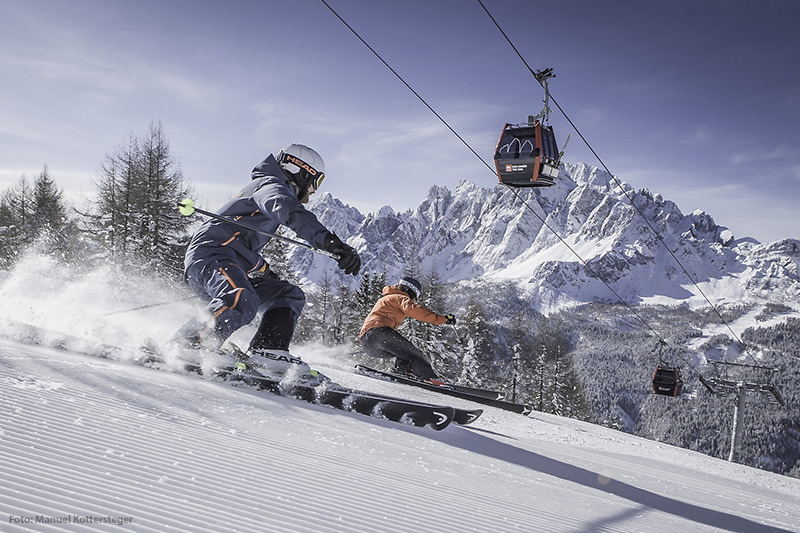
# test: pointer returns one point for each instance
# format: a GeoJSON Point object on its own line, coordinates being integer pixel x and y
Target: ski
{"type": "Point", "coordinates": [447, 389]}
{"type": "Point", "coordinates": [344, 398]}
{"type": "Point", "coordinates": [330, 394]}
{"type": "Point", "coordinates": [486, 393]}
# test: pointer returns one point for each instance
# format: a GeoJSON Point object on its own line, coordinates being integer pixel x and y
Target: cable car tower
{"type": "Point", "coordinates": [732, 379]}
{"type": "Point", "coordinates": [527, 154]}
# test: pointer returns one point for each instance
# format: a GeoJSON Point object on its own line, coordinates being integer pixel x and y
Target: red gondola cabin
{"type": "Point", "coordinates": [527, 156]}
{"type": "Point", "coordinates": [667, 381]}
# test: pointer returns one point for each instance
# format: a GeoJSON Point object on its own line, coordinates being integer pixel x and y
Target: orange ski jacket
{"type": "Point", "coordinates": [393, 307]}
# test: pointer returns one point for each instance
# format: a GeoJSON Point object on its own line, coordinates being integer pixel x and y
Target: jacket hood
{"type": "Point", "coordinates": [269, 167]}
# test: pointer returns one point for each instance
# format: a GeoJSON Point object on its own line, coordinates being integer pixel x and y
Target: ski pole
{"type": "Point", "coordinates": [187, 208]}
{"type": "Point", "coordinates": [148, 306]}
{"type": "Point", "coordinates": [458, 338]}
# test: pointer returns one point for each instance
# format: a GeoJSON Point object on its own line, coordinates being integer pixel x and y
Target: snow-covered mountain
{"type": "Point", "coordinates": [558, 242]}
{"type": "Point", "coordinates": [98, 445]}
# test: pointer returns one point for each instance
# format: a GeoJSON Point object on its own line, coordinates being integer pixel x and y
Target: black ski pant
{"type": "Point", "coordinates": [385, 342]}
{"type": "Point", "coordinates": [234, 299]}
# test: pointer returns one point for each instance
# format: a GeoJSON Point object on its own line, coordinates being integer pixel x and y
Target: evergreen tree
{"type": "Point", "coordinates": [16, 216]}
{"type": "Point", "coordinates": [134, 217]}
{"type": "Point", "coordinates": [163, 228]}
{"type": "Point", "coordinates": [541, 379]}
{"type": "Point", "coordinates": [347, 322]}
{"type": "Point", "coordinates": [317, 323]}
{"type": "Point", "coordinates": [369, 290]}
{"type": "Point", "coordinates": [478, 351]}
{"type": "Point", "coordinates": [520, 355]}
{"type": "Point", "coordinates": [109, 222]}
{"type": "Point", "coordinates": [19, 202]}
{"type": "Point", "coordinates": [51, 224]}
{"type": "Point", "coordinates": [36, 214]}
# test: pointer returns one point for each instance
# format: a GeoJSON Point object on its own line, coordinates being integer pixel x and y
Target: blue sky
{"type": "Point", "coordinates": [697, 100]}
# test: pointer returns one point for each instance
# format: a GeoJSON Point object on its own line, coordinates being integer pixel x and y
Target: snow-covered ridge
{"type": "Point", "coordinates": [542, 237]}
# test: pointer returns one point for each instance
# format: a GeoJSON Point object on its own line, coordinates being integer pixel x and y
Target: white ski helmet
{"type": "Point", "coordinates": [411, 285]}
{"type": "Point", "coordinates": [303, 165]}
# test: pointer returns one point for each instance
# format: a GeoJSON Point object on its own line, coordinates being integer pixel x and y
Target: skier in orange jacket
{"type": "Point", "coordinates": [379, 336]}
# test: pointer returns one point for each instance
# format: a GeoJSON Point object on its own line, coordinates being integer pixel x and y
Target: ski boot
{"type": "Point", "coordinates": [402, 367]}
{"type": "Point", "coordinates": [421, 371]}
{"type": "Point", "coordinates": [282, 366]}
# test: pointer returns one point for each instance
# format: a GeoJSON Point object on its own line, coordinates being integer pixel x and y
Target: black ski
{"type": "Point", "coordinates": [445, 389]}
{"type": "Point", "coordinates": [344, 398]}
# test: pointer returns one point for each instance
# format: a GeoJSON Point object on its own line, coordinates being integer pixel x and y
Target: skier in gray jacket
{"type": "Point", "coordinates": [223, 265]}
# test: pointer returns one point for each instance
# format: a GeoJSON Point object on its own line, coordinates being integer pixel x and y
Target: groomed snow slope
{"type": "Point", "coordinates": [96, 445]}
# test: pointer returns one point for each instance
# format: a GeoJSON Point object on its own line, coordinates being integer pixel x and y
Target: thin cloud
{"type": "Point", "coordinates": [699, 135]}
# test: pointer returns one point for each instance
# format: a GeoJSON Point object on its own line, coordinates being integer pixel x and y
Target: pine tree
{"type": "Point", "coordinates": [317, 321]}
{"type": "Point", "coordinates": [541, 379]}
{"type": "Point", "coordinates": [365, 296]}
{"type": "Point", "coordinates": [479, 349]}
{"type": "Point", "coordinates": [109, 222]}
{"type": "Point", "coordinates": [16, 216]}
{"type": "Point", "coordinates": [56, 233]}
{"type": "Point", "coordinates": [347, 322]}
{"type": "Point", "coordinates": [162, 226]}
{"type": "Point", "coordinates": [36, 215]}
{"type": "Point", "coordinates": [439, 342]}
{"type": "Point", "coordinates": [519, 354]}
{"type": "Point", "coordinates": [134, 217]}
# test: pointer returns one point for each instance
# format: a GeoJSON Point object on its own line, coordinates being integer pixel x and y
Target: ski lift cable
{"type": "Point", "coordinates": [542, 82]}
{"type": "Point", "coordinates": [540, 217]}
{"type": "Point", "coordinates": [421, 99]}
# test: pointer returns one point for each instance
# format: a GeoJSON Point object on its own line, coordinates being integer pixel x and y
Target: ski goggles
{"type": "Point", "coordinates": [316, 182]}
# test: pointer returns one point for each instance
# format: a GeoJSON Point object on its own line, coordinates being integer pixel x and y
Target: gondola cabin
{"type": "Point", "coordinates": [667, 381]}
{"type": "Point", "coordinates": [527, 155]}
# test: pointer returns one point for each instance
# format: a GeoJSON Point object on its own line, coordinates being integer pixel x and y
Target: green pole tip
{"type": "Point", "coordinates": [186, 207]}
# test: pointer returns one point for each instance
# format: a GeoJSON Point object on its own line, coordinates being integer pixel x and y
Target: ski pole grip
{"type": "Point", "coordinates": [186, 207]}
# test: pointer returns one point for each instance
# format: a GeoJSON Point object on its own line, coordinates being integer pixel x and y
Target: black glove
{"type": "Point", "coordinates": [347, 257]}
{"type": "Point", "coordinates": [451, 319]}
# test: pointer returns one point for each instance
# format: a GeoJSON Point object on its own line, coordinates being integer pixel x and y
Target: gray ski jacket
{"type": "Point", "coordinates": [267, 202]}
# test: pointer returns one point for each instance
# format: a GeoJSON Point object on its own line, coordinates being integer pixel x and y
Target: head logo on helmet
{"type": "Point", "coordinates": [411, 286]}
{"type": "Point", "coordinates": [289, 158]}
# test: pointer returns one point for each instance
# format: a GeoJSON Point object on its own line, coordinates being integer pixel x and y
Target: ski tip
{"type": "Point", "coordinates": [443, 417]}
{"type": "Point", "coordinates": [464, 417]}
